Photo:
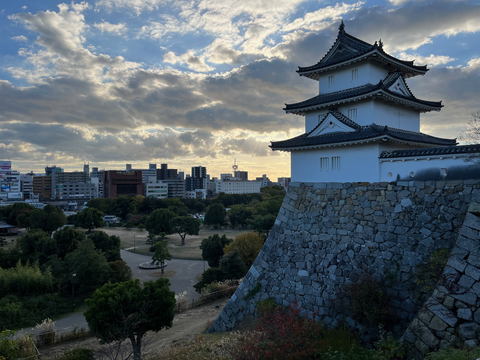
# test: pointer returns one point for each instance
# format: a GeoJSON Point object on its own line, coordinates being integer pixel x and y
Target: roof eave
{"type": "Point", "coordinates": [315, 73]}
{"type": "Point", "coordinates": [302, 111]}
{"type": "Point", "coordinates": [354, 142]}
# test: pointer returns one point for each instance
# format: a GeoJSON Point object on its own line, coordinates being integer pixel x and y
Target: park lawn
{"type": "Point", "coordinates": [11, 244]}
{"type": "Point", "coordinates": [190, 251]}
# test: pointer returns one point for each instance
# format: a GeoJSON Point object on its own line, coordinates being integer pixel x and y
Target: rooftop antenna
{"type": "Point", "coordinates": [235, 166]}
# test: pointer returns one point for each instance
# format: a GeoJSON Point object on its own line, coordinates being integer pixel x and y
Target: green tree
{"type": "Point", "coordinates": [212, 249]}
{"type": "Point", "coordinates": [141, 227]}
{"type": "Point", "coordinates": [159, 221]}
{"type": "Point", "coordinates": [30, 241]}
{"type": "Point", "coordinates": [90, 265]}
{"type": "Point", "coordinates": [89, 218]}
{"type": "Point", "coordinates": [161, 253]}
{"type": "Point", "coordinates": [110, 245]}
{"type": "Point", "coordinates": [248, 246]}
{"type": "Point", "coordinates": [239, 215]}
{"type": "Point", "coordinates": [215, 215]}
{"type": "Point", "coordinates": [129, 225]}
{"type": "Point", "coordinates": [208, 277]}
{"type": "Point", "coordinates": [3, 242]}
{"type": "Point", "coordinates": [67, 240]}
{"type": "Point", "coordinates": [121, 272]}
{"type": "Point", "coordinates": [17, 209]}
{"type": "Point", "coordinates": [233, 265]}
{"type": "Point", "coordinates": [263, 223]}
{"type": "Point", "coordinates": [117, 312]}
{"type": "Point", "coordinates": [48, 219]}
{"type": "Point", "coordinates": [185, 225]}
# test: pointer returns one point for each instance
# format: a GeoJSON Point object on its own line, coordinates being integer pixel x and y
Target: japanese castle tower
{"type": "Point", "coordinates": [364, 125]}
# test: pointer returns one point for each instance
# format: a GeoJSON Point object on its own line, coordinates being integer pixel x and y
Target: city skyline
{"type": "Point", "coordinates": [189, 83]}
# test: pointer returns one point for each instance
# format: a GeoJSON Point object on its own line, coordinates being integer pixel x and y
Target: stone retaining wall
{"type": "Point", "coordinates": [330, 234]}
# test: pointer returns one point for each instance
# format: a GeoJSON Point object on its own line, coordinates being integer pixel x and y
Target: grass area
{"type": "Point", "coordinates": [12, 240]}
{"type": "Point", "coordinates": [189, 251]}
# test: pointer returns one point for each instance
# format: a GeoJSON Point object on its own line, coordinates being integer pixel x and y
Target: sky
{"type": "Point", "coordinates": [204, 82]}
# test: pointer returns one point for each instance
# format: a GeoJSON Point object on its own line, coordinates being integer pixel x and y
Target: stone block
{"type": "Point", "coordinates": [469, 233]}
{"type": "Point", "coordinates": [457, 264]}
{"type": "Point", "coordinates": [459, 252]}
{"type": "Point", "coordinates": [398, 208]}
{"type": "Point", "coordinates": [471, 220]}
{"type": "Point", "coordinates": [465, 314]}
{"type": "Point", "coordinates": [437, 324]}
{"type": "Point", "coordinates": [466, 281]}
{"type": "Point", "coordinates": [424, 333]}
{"type": "Point", "coordinates": [471, 343]}
{"type": "Point", "coordinates": [406, 202]}
{"type": "Point", "coordinates": [469, 298]}
{"type": "Point", "coordinates": [468, 330]}
{"type": "Point", "coordinates": [441, 311]}
{"type": "Point", "coordinates": [473, 272]}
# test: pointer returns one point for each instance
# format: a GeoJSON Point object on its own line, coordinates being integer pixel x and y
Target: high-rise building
{"type": "Point", "coordinates": [49, 170]}
{"type": "Point", "coordinates": [242, 175]}
{"type": "Point", "coordinates": [42, 186]}
{"type": "Point", "coordinates": [122, 183]}
{"type": "Point", "coordinates": [86, 169]}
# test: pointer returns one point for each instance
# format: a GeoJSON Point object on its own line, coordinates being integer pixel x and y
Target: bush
{"type": "Point", "coordinates": [77, 354]}
{"type": "Point", "coordinates": [455, 354]}
{"type": "Point", "coordinates": [368, 302]}
{"type": "Point", "coordinates": [428, 273]}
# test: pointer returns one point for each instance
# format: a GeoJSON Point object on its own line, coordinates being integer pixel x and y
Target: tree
{"type": "Point", "coordinates": [90, 219]}
{"type": "Point", "coordinates": [3, 242]}
{"type": "Point", "coordinates": [215, 215]}
{"type": "Point", "coordinates": [208, 277]}
{"type": "Point", "coordinates": [159, 221]}
{"type": "Point", "coordinates": [17, 209]}
{"type": "Point", "coordinates": [67, 240]}
{"type": "Point", "coordinates": [233, 265]}
{"type": "Point", "coordinates": [471, 134]}
{"type": "Point", "coordinates": [239, 215]}
{"type": "Point", "coordinates": [117, 312]}
{"type": "Point", "coordinates": [141, 227]}
{"type": "Point", "coordinates": [48, 219]}
{"type": "Point", "coordinates": [212, 249]}
{"type": "Point", "coordinates": [121, 272]}
{"type": "Point", "coordinates": [129, 225]}
{"type": "Point", "coordinates": [263, 223]}
{"type": "Point", "coordinates": [185, 225]}
{"type": "Point", "coordinates": [29, 243]}
{"type": "Point", "coordinates": [248, 246]}
{"type": "Point", "coordinates": [110, 245]}
{"type": "Point", "coordinates": [161, 253]}
{"type": "Point", "coordinates": [90, 265]}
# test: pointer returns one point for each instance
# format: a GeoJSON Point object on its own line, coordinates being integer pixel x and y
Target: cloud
{"type": "Point", "coordinates": [193, 62]}
{"type": "Point", "coordinates": [138, 6]}
{"type": "Point", "coordinates": [115, 29]}
{"type": "Point", "coordinates": [20, 38]}
{"type": "Point", "coordinates": [432, 60]}
{"type": "Point", "coordinates": [24, 7]}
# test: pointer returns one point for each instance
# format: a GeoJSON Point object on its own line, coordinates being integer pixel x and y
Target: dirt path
{"type": "Point", "coordinates": [186, 326]}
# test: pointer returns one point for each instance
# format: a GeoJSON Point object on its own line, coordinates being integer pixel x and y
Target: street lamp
{"type": "Point", "coordinates": [73, 292]}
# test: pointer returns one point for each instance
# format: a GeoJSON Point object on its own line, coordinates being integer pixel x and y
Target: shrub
{"type": "Point", "coordinates": [428, 273]}
{"type": "Point", "coordinates": [368, 302]}
{"type": "Point", "coordinates": [46, 332]}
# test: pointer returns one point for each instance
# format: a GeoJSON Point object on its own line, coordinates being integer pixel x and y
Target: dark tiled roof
{"type": "Point", "coordinates": [342, 118]}
{"type": "Point", "coordinates": [361, 48]}
{"type": "Point", "coordinates": [366, 89]}
{"type": "Point", "coordinates": [444, 150]}
{"type": "Point", "coordinates": [364, 133]}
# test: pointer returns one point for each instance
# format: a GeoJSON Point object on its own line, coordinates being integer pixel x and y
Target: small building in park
{"type": "Point", "coordinates": [364, 124]}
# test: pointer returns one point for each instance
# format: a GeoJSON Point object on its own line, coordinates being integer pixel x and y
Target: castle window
{"type": "Point", "coordinates": [336, 163]}
{"type": "Point", "coordinates": [324, 163]}
{"type": "Point", "coordinates": [321, 117]}
{"type": "Point", "coordinates": [352, 114]}
{"type": "Point", "coordinates": [330, 81]}
{"type": "Point", "coordinates": [354, 74]}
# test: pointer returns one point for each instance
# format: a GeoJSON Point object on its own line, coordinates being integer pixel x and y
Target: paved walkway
{"type": "Point", "coordinates": [184, 278]}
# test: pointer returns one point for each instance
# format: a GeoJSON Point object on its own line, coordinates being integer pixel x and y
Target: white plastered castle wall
{"type": "Point", "coordinates": [358, 162]}
{"type": "Point", "coordinates": [368, 72]}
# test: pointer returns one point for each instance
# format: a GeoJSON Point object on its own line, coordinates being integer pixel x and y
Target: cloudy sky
{"type": "Point", "coordinates": [203, 82]}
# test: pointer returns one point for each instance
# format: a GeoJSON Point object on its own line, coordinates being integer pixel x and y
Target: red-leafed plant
{"type": "Point", "coordinates": [283, 334]}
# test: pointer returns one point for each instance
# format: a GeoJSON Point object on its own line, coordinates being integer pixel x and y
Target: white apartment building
{"type": "Point", "coordinates": [157, 189]}
{"type": "Point", "coordinates": [238, 186]}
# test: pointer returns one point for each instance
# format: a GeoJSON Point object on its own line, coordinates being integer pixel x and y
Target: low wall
{"type": "Point", "coordinates": [328, 235]}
